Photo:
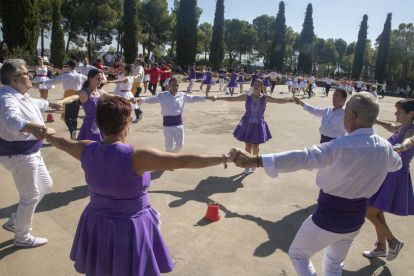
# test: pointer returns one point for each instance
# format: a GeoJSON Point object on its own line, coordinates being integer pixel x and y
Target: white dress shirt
{"type": "Point", "coordinates": [332, 122]}
{"type": "Point", "coordinates": [273, 75]}
{"type": "Point", "coordinates": [352, 166]}
{"type": "Point", "coordinates": [71, 80]}
{"type": "Point", "coordinates": [312, 79]}
{"type": "Point", "coordinates": [328, 80]}
{"type": "Point", "coordinates": [139, 70]}
{"type": "Point", "coordinates": [359, 84]}
{"type": "Point", "coordinates": [172, 105]}
{"type": "Point", "coordinates": [84, 70]}
{"type": "Point", "coordinates": [16, 111]}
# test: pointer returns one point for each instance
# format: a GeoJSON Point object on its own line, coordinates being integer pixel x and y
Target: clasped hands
{"type": "Point", "coordinates": [41, 132]}
{"type": "Point", "coordinates": [242, 158]}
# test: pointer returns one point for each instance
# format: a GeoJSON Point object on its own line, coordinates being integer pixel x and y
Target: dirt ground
{"type": "Point", "coordinates": [259, 215]}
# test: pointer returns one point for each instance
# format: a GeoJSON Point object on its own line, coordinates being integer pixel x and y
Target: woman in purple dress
{"type": "Point", "coordinates": [266, 83]}
{"type": "Point", "coordinates": [209, 80]}
{"type": "Point", "coordinates": [89, 96]}
{"type": "Point", "coordinates": [118, 232]}
{"type": "Point", "coordinates": [253, 129]}
{"type": "Point", "coordinates": [232, 83]}
{"type": "Point", "coordinates": [202, 76]}
{"type": "Point", "coordinates": [241, 80]}
{"type": "Point", "coordinates": [395, 195]}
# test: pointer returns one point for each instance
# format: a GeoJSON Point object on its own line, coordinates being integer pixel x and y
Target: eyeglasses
{"type": "Point", "coordinates": [27, 74]}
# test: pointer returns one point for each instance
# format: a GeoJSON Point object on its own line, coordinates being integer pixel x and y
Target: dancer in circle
{"type": "Point", "coordinates": [119, 221]}
{"type": "Point", "coordinates": [202, 76]}
{"type": "Point", "coordinates": [139, 70]}
{"type": "Point", "coordinates": [295, 84]}
{"type": "Point", "coordinates": [41, 76]}
{"type": "Point", "coordinates": [328, 84]}
{"type": "Point", "coordinates": [232, 84]}
{"type": "Point", "coordinates": [254, 77]}
{"type": "Point", "coordinates": [253, 129]}
{"type": "Point", "coordinates": [332, 126]}
{"type": "Point", "coordinates": [84, 70]}
{"type": "Point", "coordinates": [309, 87]}
{"type": "Point", "coordinates": [125, 86]}
{"type": "Point", "coordinates": [273, 79]}
{"type": "Point", "coordinates": [222, 73]}
{"type": "Point", "coordinates": [266, 83]}
{"type": "Point", "coordinates": [172, 107]}
{"type": "Point", "coordinates": [289, 82]}
{"type": "Point", "coordinates": [168, 75]}
{"type": "Point", "coordinates": [302, 84]}
{"type": "Point", "coordinates": [209, 80]}
{"type": "Point", "coordinates": [241, 80]}
{"type": "Point", "coordinates": [193, 78]}
{"type": "Point", "coordinates": [395, 195]}
{"type": "Point", "coordinates": [89, 96]}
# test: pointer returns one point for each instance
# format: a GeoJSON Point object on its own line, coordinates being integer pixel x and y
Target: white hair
{"type": "Point", "coordinates": [365, 107]}
{"type": "Point", "coordinates": [9, 69]}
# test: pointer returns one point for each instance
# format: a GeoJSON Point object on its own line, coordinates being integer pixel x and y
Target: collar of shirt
{"type": "Point", "coordinates": [13, 92]}
{"type": "Point", "coordinates": [362, 131]}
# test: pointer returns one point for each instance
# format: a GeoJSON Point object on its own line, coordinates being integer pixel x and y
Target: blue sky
{"type": "Point", "coordinates": [332, 19]}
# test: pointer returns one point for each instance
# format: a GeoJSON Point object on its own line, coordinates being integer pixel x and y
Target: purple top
{"type": "Point", "coordinates": [90, 106]}
{"type": "Point", "coordinates": [233, 77]}
{"type": "Point", "coordinates": [221, 72]}
{"type": "Point", "coordinates": [255, 110]}
{"type": "Point", "coordinates": [202, 73]}
{"type": "Point", "coordinates": [208, 76]}
{"type": "Point", "coordinates": [28, 147]}
{"type": "Point", "coordinates": [407, 155]}
{"type": "Point", "coordinates": [192, 73]}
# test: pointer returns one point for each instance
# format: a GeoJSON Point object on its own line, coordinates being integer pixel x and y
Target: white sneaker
{"type": "Point", "coordinates": [393, 253]}
{"type": "Point", "coordinates": [135, 121]}
{"type": "Point", "coordinates": [374, 254]}
{"type": "Point", "coordinates": [31, 242]}
{"type": "Point", "coordinates": [9, 226]}
{"type": "Point", "coordinates": [73, 136]}
{"type": "Point", "coordinates": [246, 171]}
{"type": "Point", "coordinates": [253, 169]}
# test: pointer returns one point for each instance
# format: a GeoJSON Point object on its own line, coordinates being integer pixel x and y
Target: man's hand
{"type": "Point", "coordinates": [298, 101]}
{"type": "Point", "coordinates": [39, 131]}
{"type": "Point", "coordinates": [245, 159]}
{"type": "Point", "coordinates": [55, 105]}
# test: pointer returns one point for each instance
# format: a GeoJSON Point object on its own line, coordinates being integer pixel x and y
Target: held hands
{"type": "Point", "coordinates": [39, 131]}
{"type": "Point", "coordinates": [55, 105]}
{"type": "Point", "coordinates": [244, 159]}
{"type": "Point", "coordinates": [232, 155]}
{"type": "Point", "coordinates": [297, 101]}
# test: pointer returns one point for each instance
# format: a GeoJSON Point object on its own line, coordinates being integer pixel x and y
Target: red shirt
{"type": "Point", "coordinates": [99, 66]}
{"type": "Point", "coordinates": [168, 75]}
{"type": "Point", "coordinates": [154, 73]}
{"type": "Point", "coordinates": [116, 66]}
{"type": "Point", "coordinates": [163, 74]}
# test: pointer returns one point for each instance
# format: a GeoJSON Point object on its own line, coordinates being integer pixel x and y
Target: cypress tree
{"type": "Point", "coordinates": [20, 20]}
{"type": "Point", "coordinates": [186, 31]}
{"type": "Point", "coordinates": [305, 60]}
{"type": "Point", "coordinates": [360, 48]}
{"type": "Point", "coordinates": [130, 36]}
{"type": "Point", "coordinates": [57, 43]}
{"type": "Point", "coordinates": [278, 47]}
{"type": "Point", "coordinates": [217, 41]}
{"type": "Point", "coordinates": [383, 48]}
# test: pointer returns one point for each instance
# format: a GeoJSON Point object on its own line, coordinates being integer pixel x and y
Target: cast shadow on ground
{"type": "Point", "coordinates": [52, 201]}
{"type": "Point", "coordinates": [156, 174]}
{"type": "Point", "coordinates": [281, 233]}
{"type": "Point", "coordinates": [370, 269]}
{"type": "Point", "coordinates": [7, 248]}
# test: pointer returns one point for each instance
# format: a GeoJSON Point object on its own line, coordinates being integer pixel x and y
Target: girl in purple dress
{"type": "Point", "coordinates": [232, 84]}
{"type": "Point", "coordinates": [241, 80]}
{"type": "Point", "coordinates": [252, 129]}
{"type": "Point", "coordinates": [209, 80]}
{"type": "Point", "coordinates": [118, 232]}
{"type": "Point", "coordinates": [395, 195]}
{"type": "Point", "coordinates": [202, 76]}
{"type": "Point", "coordinates": [266, 83]}
{"type": "Point", "coordinates": [89, 97]}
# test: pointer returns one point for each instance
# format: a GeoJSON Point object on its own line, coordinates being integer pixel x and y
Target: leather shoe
{"type": "Point", "coordinates": [31, 242]}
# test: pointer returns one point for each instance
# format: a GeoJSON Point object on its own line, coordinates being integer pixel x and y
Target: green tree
{"type": "Point", "coordinates": [186, 32]}
{"type": "Point", "coordinates": [305, 60]}
{"type": "Point", "coordinates": [20, 24]}
{"type": "Point", "coordinates": [70, 23]}
{"type": "Point", "coordinates": [130, 28]}
{"type": "Point", "coordinates": [350, 49]}
{"type": "Point", "coordinates": [402, 44]}
{"type": "Point", "coordinates": [239, 37]}
{"type": "Point", "coordinates": [369, 61]}
{"type": "Point", "coordinates": [360, 48]}
{"type": "Point", "coordinates": [264, 26]}
{"type": "Point", "coordinates": [384, 46]}
{"type": "Point", "coordinates": [57, 43]}
{"type": "Point", "coordinates": [278, 47]}
{"type": "Point", "coordinates": [45, 20]}
{"type": "Point", "coordinates": [318, 45]}
{"type": "Point", "coordinates": [340, 46]}
{"type": "Point", "coordinates": [205, 33]}
{"type": "Point", "coordinates": [292, 48]}
{"type": "Point", "coordinates": [346, 64]}
{"type": "Point", "coordinates": [217, 41]}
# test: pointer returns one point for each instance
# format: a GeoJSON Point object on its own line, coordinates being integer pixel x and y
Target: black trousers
{"type": "Point", "coordinates": [138, 111]}
{"type": "Point", "coordinates": [152, 88]}
{"type": "Point", "coordinates": [162, 85]}
{"type": "Point", "coordinates": [327, 87]}
{"type": "Point", "coordinates": [273, 85]}
{"type": "Point", "coordinates": [139, 90]}
{"type": "Point", "coordinates": [71, 116]}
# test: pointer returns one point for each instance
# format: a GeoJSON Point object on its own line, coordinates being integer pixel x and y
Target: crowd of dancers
{"type": "Point", "coordinates": [359, 173]}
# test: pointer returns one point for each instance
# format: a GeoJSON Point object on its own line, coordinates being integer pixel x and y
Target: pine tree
{"type": "Point", "coordinates": [360, 48]}
{"type": "Point", "coordinates": [186, 31]}
{"type": "Point", "coordinates": [217, 41]}
{"type": "Point", "coordinates": [130, 36]}
{"type": "Point", "coordinates": [20, 20]}
{"type": "Point", "coordinates": [278, 47]}
{"type": "Point", "coordinates": [57, 43]}
{"type": "Point", "coordinates": [383, 48]}
{"type": "Point", "coordinates": [305, 60]}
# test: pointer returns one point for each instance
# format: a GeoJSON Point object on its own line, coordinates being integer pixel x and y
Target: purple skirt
{"type": "Point", "coordinates": [253, 133]}
{"type": "Point", "coordinates": [232, 84]}
{"type": "Point", "coordinates": [395, 195]}
{"type": "Point", "coordinates": [209, 82]}
{"type": "Point", "coordinates": [86, 133]}
{"type": "Point", "coordinates": [106, 245]}
{"type": "Point", "coordinates": [202, 77]}
{"type": "Point", "coordinates": [241, 80]}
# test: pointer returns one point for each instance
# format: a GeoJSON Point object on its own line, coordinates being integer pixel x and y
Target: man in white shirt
{"type": "Point", "coordinates": [86, 68]}
{"type": "Point", "coordinates": [273, 77]}
{"type": "Point", "coordinates": [137, 85]}
{"type": "Point", "coordinates": [350, 170]}
{"type": "Point", "coordinates": [108, 59]}
{"type": "Point", "coordinates": [22, 131]}
{"type": "Point", "coordinates": [172, 107]}
{"type": "Point", "coordinates": [328, 83]}
{"type": "Point", "coordinates": [72, 83]}
{"type": "Point", "coordinates": [332, 117]}
{"type": "Point", "coordinates": [359, 85]}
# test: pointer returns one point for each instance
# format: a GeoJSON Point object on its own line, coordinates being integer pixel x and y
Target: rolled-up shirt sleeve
{"type": "Point", "coordinates": [11, 116]}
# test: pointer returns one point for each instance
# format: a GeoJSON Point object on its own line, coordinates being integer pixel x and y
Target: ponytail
{"type": "Point", "coordinates": [85, 84]}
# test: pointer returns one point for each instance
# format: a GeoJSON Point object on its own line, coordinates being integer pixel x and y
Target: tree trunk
{"type": "Point", "coordinates": [117, 45]}
{"type": "Point", "coordinates": [42, 43]}
{"type": "Point", "coordinates": [89, 46]}
{"type": "Point", "coordinates": [67, 44]}
{"type": "Point", "coordinates": [149, 46]}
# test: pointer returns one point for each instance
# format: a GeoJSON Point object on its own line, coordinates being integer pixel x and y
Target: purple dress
{"type": "Point", "coordinates": [232, 83]}
{"type": "Point", "coordinates": [396, 195]}
{"type": "Point", "coordinates": [266, 82]}
{"type": "Point", "coordinates": [203, 75]}
{"type": "Point", "coordinates": [89, 129]}
{"type": "Point", "coordinates": [241, 78]}
{"type": "Point", "coordinates": [118, 231]}
{"type": "Point", "coordinates": [208, 80]}
{"type": "Point", "coordinates": [252, 127]}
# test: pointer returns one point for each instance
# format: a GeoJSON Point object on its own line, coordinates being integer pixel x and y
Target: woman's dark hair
{"type": "Point", "coordinates": [128, 69]}
{"type": "Point", "coordinates": [407, 105]}
{"type": "Point", "coordinates": [112, 113]}
{"type": "Point", "coordinates": [92, 73]}
{"type": "Point", "coordinates": [209, 69]}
